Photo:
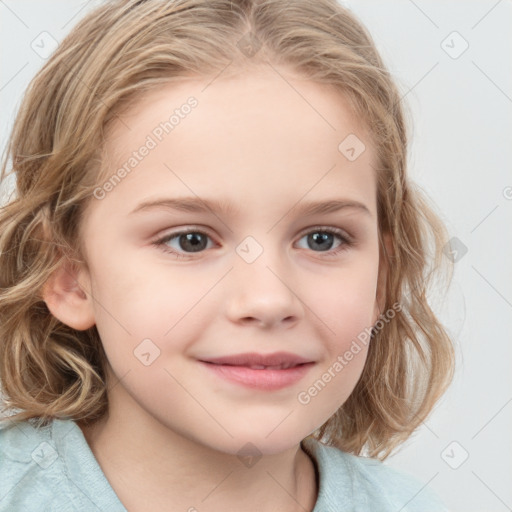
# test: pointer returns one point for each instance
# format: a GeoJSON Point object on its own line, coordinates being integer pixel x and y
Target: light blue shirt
{"type": "Point", "coordinates": [52, 469]}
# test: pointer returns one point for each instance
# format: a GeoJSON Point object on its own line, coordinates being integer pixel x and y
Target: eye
{"type": "Point", "coordinates": [323, 239]}
{"type": "Point", "coordinates": [184, 242]}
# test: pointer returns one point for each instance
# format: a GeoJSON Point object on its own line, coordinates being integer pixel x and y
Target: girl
{"type": "Point", "coordinates": [214, 268]}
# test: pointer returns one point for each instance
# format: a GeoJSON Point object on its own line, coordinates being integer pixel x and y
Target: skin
{"type": "Point", "coordinates": [174, 429]}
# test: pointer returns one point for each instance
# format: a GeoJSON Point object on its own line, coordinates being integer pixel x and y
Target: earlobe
{"type": "Point", "coordinates": [66, 299]}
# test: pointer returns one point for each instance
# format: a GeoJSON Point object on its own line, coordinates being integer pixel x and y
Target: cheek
{"type": "Point", "coordinates": [135, 301]}
{"type": "Point", "coordinates": [347, 303]}
{"type": "Point", "coordinates": [346, 309]}
{"type": "Point", "coordinates": [346, 313]}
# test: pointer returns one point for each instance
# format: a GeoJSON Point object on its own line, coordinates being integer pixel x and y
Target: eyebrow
{"type": "Point", "coordinates": [198, 205]}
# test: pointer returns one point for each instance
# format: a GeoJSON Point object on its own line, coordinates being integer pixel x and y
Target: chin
{"type": "Point", "coordinates": [262, 443]}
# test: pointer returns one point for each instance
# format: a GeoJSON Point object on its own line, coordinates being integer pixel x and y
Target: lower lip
{"type": "Point", "coordinates": [269, 380]}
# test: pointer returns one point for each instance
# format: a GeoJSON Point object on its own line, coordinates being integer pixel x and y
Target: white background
{"type": "Point", "coordinates": [461, 155]}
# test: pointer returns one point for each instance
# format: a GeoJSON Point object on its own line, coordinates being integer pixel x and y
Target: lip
{"type": "Point", "coordinates": [255, 359]}
{"type": "Point", "coordinates": [237, 369]}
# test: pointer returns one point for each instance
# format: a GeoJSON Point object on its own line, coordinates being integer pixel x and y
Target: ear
{"type": "Point", "coordinates": [380, 298]}
{"type": "Point", "coordinates": [65, 297]}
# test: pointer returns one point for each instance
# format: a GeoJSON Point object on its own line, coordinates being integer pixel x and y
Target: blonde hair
{"type": "Point", "coordinates": [116, 53]}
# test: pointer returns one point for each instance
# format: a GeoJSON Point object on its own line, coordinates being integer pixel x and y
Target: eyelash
{"type": "Point", "coordinates": [346, 241]}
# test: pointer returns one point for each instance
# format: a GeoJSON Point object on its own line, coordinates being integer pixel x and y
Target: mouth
{"type": "Point", "coordinates": [255, 361]}
{"type": "Point", "coordinates": [283, 366]}
{"type": "Point", "coordinates": [260, 371]}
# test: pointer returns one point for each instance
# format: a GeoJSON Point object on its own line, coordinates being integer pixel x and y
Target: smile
{"type": "Point", "coordinates": [267, 378]}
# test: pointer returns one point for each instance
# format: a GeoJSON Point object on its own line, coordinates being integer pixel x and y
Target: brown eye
{"type": "Point", "coordinates": [192, 242]}
{"type": "Point", "coordinates": [184, 242]}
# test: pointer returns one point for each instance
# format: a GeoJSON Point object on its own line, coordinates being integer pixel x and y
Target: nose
{"type": "Point", "coordinates": [263, 293]}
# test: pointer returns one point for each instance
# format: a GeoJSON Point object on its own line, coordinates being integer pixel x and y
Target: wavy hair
{"type": "Point", "coordinates": [119, 51]}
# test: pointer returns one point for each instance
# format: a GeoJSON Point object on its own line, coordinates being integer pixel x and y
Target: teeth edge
{"type": "Point", "coordinates": [267, 367]}
{"type": "Point", "coordinates": [274, 367]}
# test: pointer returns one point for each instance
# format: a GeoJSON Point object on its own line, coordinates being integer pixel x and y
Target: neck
{"type": "Point", "coordinates": [150, 467]}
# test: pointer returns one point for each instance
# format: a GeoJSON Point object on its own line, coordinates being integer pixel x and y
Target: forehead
{"type": "Point", "coordinates": [265, 131]}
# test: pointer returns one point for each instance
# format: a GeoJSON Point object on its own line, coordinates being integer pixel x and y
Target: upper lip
{"type": "Point", "coordinates": [282, 359]}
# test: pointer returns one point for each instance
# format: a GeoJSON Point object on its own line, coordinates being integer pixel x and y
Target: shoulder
{"type": "Point", "coordinates": [367, 483]}
{"type": "Point", "coordinates": [32, 476]}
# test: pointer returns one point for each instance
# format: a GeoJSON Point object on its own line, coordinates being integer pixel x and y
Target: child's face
{"type": "Point", "coordinates": [257, 283]}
